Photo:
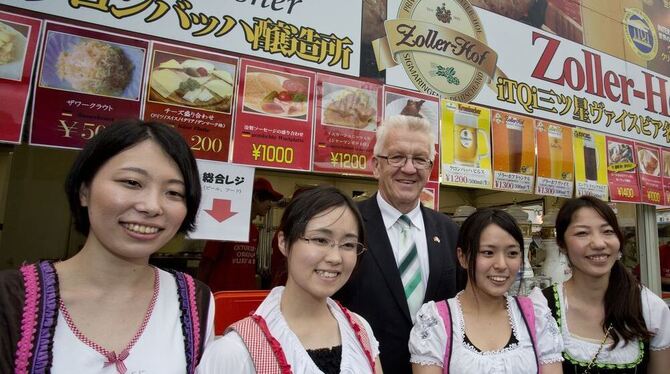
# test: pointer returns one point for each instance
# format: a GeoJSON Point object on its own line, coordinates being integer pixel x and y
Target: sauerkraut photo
{"type": "Point", "coordinates": [92, 66]}
{"type": "Point", "coordinates": [12, 49]}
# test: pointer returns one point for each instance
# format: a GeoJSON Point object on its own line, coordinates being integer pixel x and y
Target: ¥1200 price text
{"type": "Point", "coordinates": [272, 153]}
{"type": "Point", "coordinates": [348, 161]}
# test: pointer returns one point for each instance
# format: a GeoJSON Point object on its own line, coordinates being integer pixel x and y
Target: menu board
{"type": "Point", "coordinates": [273, 120]}
{"type": "Point", "coordinates": [430, 195]}
{"type": "Point", "coordinates": [347, 115]}
{"type": "Point", "coordinates": [622, 170]}
{"type": "Point", "coordinates": [651, 181]}
{"type": "Point", "coordinates": [555, 168]}
{"type": "Point", "coordinates": [665, 158]}
{"type": "Point", "coordinates": [87, 79]}
{"type": "Point", "coordinates": [399, 101]}
{"type": "Point", "coordinates": [18, 45]}
{"type": "Point", "coordinates": [466, 148]}
{"type": "Point", "coordinates": [194, 91]}
{"type": "Point", "coordinates": [590, 171]}
{"type": "Point", "coordinates": [513, 152]}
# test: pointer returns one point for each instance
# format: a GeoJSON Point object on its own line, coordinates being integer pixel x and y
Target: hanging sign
{"type": "Point", "coordinates": [194, 91]}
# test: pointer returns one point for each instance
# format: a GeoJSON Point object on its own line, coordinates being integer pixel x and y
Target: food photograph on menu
{"type": "Point", "coordinates": [408, 106]}
{"type": "Point", "coordinates": [649, 163]}
{"type": "Point", "coordinates": [13, 41]}
{"type": "Point", "coordinates": [275, 94]}
{"type": "Point", "coordinates": [91, 66]}
{"type": "Point", "coordinates": [619, 153]}
{"type": "Point", "coordinates": [191, 82]}
{"type": "Point", "coordinates": [349, 107]}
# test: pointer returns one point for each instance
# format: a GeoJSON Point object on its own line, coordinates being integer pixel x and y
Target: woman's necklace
{"type": "Point", "coordinates": [600, 348]}
{"type": "Point", "coordinates": [112, 357]}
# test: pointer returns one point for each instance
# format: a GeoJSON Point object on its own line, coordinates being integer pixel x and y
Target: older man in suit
{"type": "Point", "coordinates": [411, 257]}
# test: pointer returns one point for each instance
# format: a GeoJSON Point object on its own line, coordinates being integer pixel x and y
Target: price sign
{"type": "Point", "coordinates": [347, 115]}
{"type": "Point", "coordinates": [622, 170]}
{"type": "Point", "coordinates": [193, 90]}
{"type": "Point", "coordinates": [650, 167]}
{"type": "Point", "coordinates": [273, 123]}
{"type": "Point", "coordinates": [75, 96]}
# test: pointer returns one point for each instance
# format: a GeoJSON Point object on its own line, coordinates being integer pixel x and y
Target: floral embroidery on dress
{"type": "Point", "coordinates": [426, 324]}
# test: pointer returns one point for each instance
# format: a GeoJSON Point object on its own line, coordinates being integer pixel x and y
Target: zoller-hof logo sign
{"type": "Point", "coordinates": [640, 33]}
{"type": "Point", "coordinates": [442, 47]}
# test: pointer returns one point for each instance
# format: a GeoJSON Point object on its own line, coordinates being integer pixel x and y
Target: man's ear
{"type": "Point", "coordinates": [84, 192]}
{"type": "Point", "coordinates": [461, 258]}
{"type": "Point", "coordinates": [375, 167]}
{"type": "Point", "coordinates": [281, 243]}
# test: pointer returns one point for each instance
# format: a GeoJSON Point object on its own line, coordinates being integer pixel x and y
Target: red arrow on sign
{"type": "Point", "coordinates": [220, 210]}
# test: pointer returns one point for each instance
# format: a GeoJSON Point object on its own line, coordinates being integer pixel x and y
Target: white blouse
{"type": "Point", "coordinates": [428, 341]}
{"type": "Point", "coordinates": [229, 354]}
{"type": "Point", "coordinates": [160, 348]}
{"type": "Point", "coordinates": [656, 316]}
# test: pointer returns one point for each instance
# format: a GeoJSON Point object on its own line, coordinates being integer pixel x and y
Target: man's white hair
{"type": "Point", "coordinates": [409, 123]}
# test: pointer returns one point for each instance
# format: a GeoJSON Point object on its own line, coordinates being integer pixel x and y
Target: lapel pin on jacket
{"type": "Point", "coordinates": [436, 239]}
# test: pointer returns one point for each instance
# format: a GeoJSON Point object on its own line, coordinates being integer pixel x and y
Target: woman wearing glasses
{"type": "Point", "coordinates": [299, 328]}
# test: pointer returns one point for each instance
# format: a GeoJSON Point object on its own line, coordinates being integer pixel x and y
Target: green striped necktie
{"type": "Point", "coordinates": [409, 266]}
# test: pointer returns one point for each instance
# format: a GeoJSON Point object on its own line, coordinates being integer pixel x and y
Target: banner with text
{"type": "Point", "coordinates": [451, 49]}
{"type": "Point", "coordinates": [300, 32]}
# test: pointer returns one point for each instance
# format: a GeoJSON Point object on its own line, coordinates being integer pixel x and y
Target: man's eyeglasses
{"type": "Point", "coordinates": [399, 161]}
{"type": "Point", "coordinates": [345, 247]}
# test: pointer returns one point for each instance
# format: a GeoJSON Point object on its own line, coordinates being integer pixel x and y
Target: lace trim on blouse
{"type": "Point", "coordinates": [581, 346]}
{"type": "Point", "coordinates": [468, 345]}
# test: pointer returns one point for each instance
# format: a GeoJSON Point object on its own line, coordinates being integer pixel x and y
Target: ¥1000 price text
{"type": "Point", "coordinates": [272, 153]}
{"type": "Point", "coordinates": [348, 161]}
{"type": "Point", "coordinates": [654, 196]}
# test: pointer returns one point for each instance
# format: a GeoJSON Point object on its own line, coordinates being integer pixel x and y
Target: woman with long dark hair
{"type": "Point", "coordinates": [610, 323]}
{"type": "Point", "coordinates": [482, 329]}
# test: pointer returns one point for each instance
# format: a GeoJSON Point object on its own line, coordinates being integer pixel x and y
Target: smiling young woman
{"type": "Point", "coordinates": [106, 310]}
{"type": "Point", "coordinates": [299, 328]}
{"type": "Point", "coordinates": [610, 323]}
{"type": "Point", "coordinates": [482, 329]}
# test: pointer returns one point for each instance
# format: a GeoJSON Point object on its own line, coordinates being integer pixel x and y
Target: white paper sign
{"type": "Point", "coordinates": [225, 207]}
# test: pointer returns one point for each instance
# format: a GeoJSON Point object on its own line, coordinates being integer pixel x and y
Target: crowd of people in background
{"type": "Point", "coordinates": [382, 285]}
